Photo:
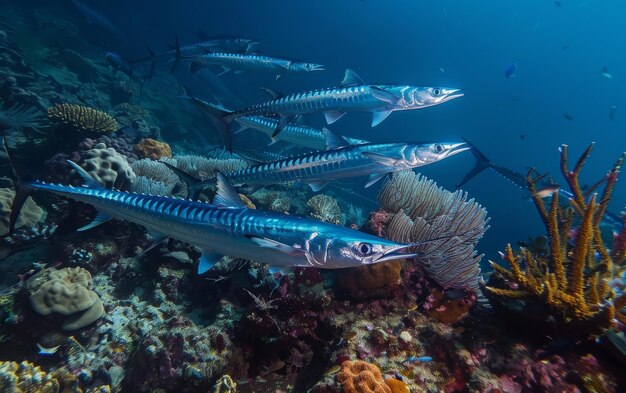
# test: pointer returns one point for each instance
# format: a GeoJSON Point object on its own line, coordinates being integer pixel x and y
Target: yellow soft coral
{"type": "Point", "coordinates": [83, 118]}
{"type": "Point", "coordinates": [570, 280]}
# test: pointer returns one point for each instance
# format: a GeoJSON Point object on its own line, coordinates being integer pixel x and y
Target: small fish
{"type": "Point", "coordinates": [509, 70]}
{"type": "Point", "coordinates": [564, 47]}
{"type": "Point", "coordinates": [522, 137]}
{"type": "Point", "coordinates": [557, 3]}
{"type": "Point", "coordinates": [605, 73]}
{"type": "Point", "coordinates": [612, 112]}
{"type": "Point", "coordinates": [568, 117]}
{"type": "Point", "coordinates": [47, 351]}
{"type": "Point", "coordinates": [419, 359]}
{"type": "Point", "coordinates": [547, 191]}
{"type": "Point", "coordinates": [442, 70]}
{"type": "Point", "coordinates": [333, 370]}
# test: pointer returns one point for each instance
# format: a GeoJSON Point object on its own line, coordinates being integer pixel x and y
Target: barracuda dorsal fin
{"type": "Point", "coordinates": [273, 93]}
{"type": "Point", "coordinates": [273, 244]}
{"type": "Point", "coordinates": [334, 141]}
{"type": "Point", "coordinates": [333, 116]}
{"type": "Point", "coordinates": [350, 78]}
{"type": "Point", "coordinates": [317, 185]}
{"type": "Point", "coordinates": [208, 259]}
{"type": "Point", "coordinates": [226, 195]}
{"type": "Point", "coordinates": [90, 182]}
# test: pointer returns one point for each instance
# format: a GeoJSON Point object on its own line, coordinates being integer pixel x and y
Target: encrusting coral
{"type": "Point", "coordinates": [573, 280]}
{"type": "Point", "coordinates": [83, 118]}
{"type": "Point", "coordinates": [361, 377]}
{"type": "Point", "coordinates": [420, 211]}
{"type": "Point", "coordinates": [325, 208]}
{"type": "Point", "coordinates": [370, 280]}
{"type": "Point", "coordinates": [153, 149]}
{"type": "Point", "coordinates": [66, 292]}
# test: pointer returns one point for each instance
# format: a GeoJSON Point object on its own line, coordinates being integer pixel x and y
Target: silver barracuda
{"type": "Point", "coordinates": [342, 160]}
{"type": "Point", "coordinates": [227, 227]}
{"type": "Point", "coordinates": [350, 96]}
{"type": "Point", "coordinates": [296, 134]}
{"type": "Point", "coordinates": [251, 62]}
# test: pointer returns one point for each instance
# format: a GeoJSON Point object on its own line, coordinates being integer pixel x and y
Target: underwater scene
{"type": "Point", "coordinates": [357, 196]}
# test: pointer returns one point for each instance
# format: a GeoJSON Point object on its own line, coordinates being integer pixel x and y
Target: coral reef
{"type": "Point", "coordinates": [29, 215]}
{"type": "Point", "coordinates": [66, 292]}
{"type": "Point", "coordinates": [450, 224]}
{"type": "Point", "coordinates": [18, 117]}
{"type": "Point", "coordinates": [324, 208]}
{"type": "Point", "coordinates": [370, 280]}
{"type": "Point", "coordinates": [361, 377]}
{"type": "Point", "coordinates": [273, 200]}
{"type": "Point", "coordinates": [82, 118]}
{"type": "Point", "coordinates": [153, 177]}
{"type": "Point", "coordinates": [153, 149]}
{"type": "Point", "coordinates": [205, 168]}
{"type": "Point", "coordinates": [108, 167]}
{"type": "Point", "coordinates": [572, 281]}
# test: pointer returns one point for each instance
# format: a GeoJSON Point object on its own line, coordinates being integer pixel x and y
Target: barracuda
{"type": "Point", "coordinates": [351, 95]}
{"type": "Point", "coordinates": [227, 227]}
{"type": "Point", "coordinates": [342, 160]}
{"type": "Point", "coordinates": [296, 134]}
{"type": "Point", "coordinates": [250, 62]}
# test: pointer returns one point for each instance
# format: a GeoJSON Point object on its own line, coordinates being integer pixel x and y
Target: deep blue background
{"type": "Point", "coordinates": [407, 42]}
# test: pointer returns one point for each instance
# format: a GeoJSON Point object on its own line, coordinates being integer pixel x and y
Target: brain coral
{"type": "Point", "coordinates": [109, 168]}
{"type": "Point", "coordinates": [153, 149]}
{"type": "Point", "coordinates": [83, 118]}
{"type": "Point", "coordinates": [66, 292]}
{"type": "Point", "coordinates": [30, 214]}
{"type": "Point", "coordinates": [361, 377]}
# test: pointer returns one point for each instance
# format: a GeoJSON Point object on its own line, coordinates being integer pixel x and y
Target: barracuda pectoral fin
{"type": "Point", "coordinates": [333, 116]}
{"type": "Point", "coordinates": [378, 117]}
{"type": "Point", "coordinates": [224, 71]}
{"type": "Point", "coordinates": [381, 158]}
{"type": "Point", "coordinates": [350, 78]}
{"type": "Point", "coordinates": [226, 195]}
{"type": "Point", "coordinates": [90, 182]}
{"type": "Point", "coordinates": [282, 123]}
{"type": "Point", "coordinates": [101, 218]}
{"type": "Point", "coordinates": [334, 141]}
{"type": "Point", "coordinates": [317, 184]}
{"type": "Point", "coordinates": [375, 178]}
{"type": "Point", "coordinates": [208, 259]}
{"type": "Point", "coordinates": [273, 244]}
{"type": "Point", "coordinates": [384, 95]}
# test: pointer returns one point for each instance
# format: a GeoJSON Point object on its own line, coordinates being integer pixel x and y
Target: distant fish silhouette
{"type": "Point", "coordinates": [568, 117]}
{"type": "Point", "coordinates": [612, 112]}
{"type": "Point", "coordinates": [509, 70]}
{"type": "Point", "coordinates": [564, 47]}
{"type": "Point", "coordinates": [605, 73]}
{"type": "Point", "coordinates": [557, 3]}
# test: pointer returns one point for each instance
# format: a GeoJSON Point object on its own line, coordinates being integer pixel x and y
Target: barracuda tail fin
{"type": "Point", "coordinates": [482, 163]}
{"type": "Point", "coordinates": [22, 190]}
{"type": "Point", "coordinates": [178, 56]}
{"type": "Point", "coordinates": [194, 185]}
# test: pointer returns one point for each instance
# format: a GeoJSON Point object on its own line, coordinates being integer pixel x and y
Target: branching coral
{"type": "Point", "coordinates": [83, 118]}
{"type": "Point", "coordinates": [17, 117]}
{"type": "Point", "coordinates": [573, 280]}
{"type": "Point", "coordinates": [452, 225]}
{"type": "Point", "coordinates": [325, 208]}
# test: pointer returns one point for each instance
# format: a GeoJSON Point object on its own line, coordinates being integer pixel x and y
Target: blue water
{"type": "Point", "coordinates": [517, 122]}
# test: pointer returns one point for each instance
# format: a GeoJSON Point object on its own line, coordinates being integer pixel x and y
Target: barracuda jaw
{"type": "Point", "coordinates": [456, 148]}
{"type": "Point", "coordinates": [394, 253]}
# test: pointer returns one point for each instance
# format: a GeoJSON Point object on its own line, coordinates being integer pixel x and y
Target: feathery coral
{"type": "Point", "coordinates": [571, 281]}
{"type": "Point", "coordinates": [17, 117]}
{"type": "Point", "coordinates": [325, 208]}
{"type": "Point", "coordinates": [83, 118]}
{"type": "Point", "coordinates": [423, 211]}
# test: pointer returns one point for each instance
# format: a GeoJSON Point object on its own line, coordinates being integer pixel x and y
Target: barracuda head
{"type": "Point", "coordinates": [343, 248]}
{"type": "Point", "coordinates": [419, 97]}
{"type": "Point", "coordinates": [306, 67]}
{"type": "Point", "coordinates": [419, 155]}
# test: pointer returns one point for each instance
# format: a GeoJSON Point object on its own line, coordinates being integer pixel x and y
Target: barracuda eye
{"type": "Point", "coordinates": [436, 92]}
{"type": "Point", "coordinates": [307, 66]}
{"type": "Point", "coordinates": [364, 249]}
{"type": "Point", "coordinates": [439, 148]}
